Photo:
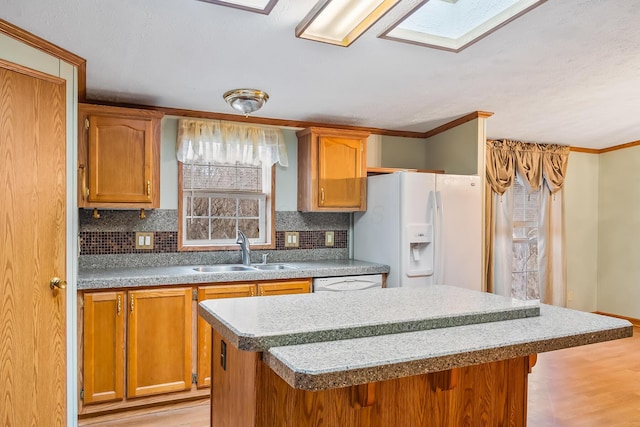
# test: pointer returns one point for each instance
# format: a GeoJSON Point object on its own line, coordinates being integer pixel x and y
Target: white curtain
{"type": "Point", "coordinates": [211, 141]}
{"type": "Point", "coordinates": [503, 242]}
{"type": "Point", "coordinates": [551, 249]}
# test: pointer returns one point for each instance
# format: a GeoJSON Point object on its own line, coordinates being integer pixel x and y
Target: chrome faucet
{"type": "Point", "coordinates": [244, 248]}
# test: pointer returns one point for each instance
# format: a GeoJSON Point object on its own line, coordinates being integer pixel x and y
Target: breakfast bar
{"type": "Point", "coordinates": [431, 356]}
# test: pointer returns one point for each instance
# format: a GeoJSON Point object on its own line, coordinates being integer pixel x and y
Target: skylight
{"type": "Point", "coordinates": [455, 24]}
{"type": "Point", "coordinates": [260, 6]}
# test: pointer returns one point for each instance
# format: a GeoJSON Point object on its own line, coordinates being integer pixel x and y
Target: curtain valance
{"type": "Point", "coordinates": [211, 141]}
{"type": "Point", "coordinates": [534, 162]}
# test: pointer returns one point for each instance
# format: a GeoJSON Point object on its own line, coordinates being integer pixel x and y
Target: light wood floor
{"type": "Point", "coordinates": [591, 386]}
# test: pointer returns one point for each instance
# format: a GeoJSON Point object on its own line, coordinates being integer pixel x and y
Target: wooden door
{"type": "Point", "coordinates": [159, 341]}
{"type": "Point", "coordinates": [103, 346]}
{"type": "Point", "coordinates": [120, 159]}
{"type": "Point", "coordinates": [285, 287]}
{"type": "Point", "coordinates": [341, 173]}
{"type": "Point", "coordinates": [32, 247]}
{"type": "Point", "coordinates": [204, 329]}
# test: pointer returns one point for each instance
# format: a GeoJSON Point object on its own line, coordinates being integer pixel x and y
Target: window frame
{"type": "Point", "coordinates": [269, 221]}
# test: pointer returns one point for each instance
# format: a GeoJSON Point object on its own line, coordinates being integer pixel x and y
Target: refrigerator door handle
{"type": "Point", "coordinates": [432, 218]}
{"type": "Point", "coordinates": [439, 279]}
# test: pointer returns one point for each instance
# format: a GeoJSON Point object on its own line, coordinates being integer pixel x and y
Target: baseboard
{"type": "Point", "coordinates": [636, 322]}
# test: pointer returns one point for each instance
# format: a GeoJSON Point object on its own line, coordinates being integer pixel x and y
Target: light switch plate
{"type": "Point", "coordinates": [144, 240]}
{"type": "Point", "coordinates": [329, 238]}
{"type": "Point", "coordinates": [291, 239]}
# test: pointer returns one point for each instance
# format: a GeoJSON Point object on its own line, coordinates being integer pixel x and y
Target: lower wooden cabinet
{"type": "Point", "coordinates": [234, 290]}
{"type": "Point", "coordinates": [137, 346]}
{"type": "Point", "coordinates": [159, 343]}
{"type": "Point", "coordinates": [103, 357]}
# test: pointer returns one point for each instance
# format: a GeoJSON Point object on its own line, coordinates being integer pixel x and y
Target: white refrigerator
{"type": "Point", "coordinates": [426, 227]}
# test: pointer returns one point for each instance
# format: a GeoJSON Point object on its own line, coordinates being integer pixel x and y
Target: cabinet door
{"type": "Point", "coordinates": [204, 329]}
{"type": "Point", "coordinates": [285, 287]}
{"type": "Point", "coordinates": [159, 341]}
{"type": "Point", "coordinates": [120, 159]}
{"type": "Point", "coordinates": [103, 346]}
{"type": "Point", "coordinates": [341, 173]}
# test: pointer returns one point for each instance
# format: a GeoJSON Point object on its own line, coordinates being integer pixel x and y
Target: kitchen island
{"type": "Point", "coordinates": [433, 356]}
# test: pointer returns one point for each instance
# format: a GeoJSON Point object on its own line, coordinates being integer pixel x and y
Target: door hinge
{"type": "Point", "coordinates": [194, 295]}
{"type": "Point", "coordinates": [82, 302]}
{"type": "Point", "coordinates": [86, 123]}
{"type": "Point", "coordinates": [194, 379]}
{"type": "Point", "coordinates": [82, 394]}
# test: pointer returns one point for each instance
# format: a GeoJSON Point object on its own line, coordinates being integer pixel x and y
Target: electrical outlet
{"type": "Point", "coordinates": [291, 239]}
{"type": "Point", "coordinates": [144, 240]}
{"type": "Point", "coordinates": [329, 238]}
{"type": "Point", "coordinates": [570, 295]}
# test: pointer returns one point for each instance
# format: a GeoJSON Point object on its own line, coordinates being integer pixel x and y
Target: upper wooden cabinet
{"type": "Point", "coordinates": [118, 157]}
{"type": "Point", "coordinates": [332, 170]}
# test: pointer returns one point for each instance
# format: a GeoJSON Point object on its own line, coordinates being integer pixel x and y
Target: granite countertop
{"type": "Point", "coordinates": [327, 365]}
{"type": "Point", "coordinates": [186, 275]}
{"type": "Point", "coordinates": [256, 324]}
{"type": "Point", "coordinates": [328, 340]}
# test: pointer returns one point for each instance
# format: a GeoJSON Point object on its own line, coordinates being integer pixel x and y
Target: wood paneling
{"type": "Point", "coordinates": [204, 329]}
{"type": "Point", "coordinates": [159, 341]}
{"type": "Point", "coordinates": [236, 290]}
{"type": "Point", "coordinates": [233, 391]}
{"type": "Point", "coordinates": [103, 346]}
{"type": "Point", "coordinates": [249, 394]}
{"type": "Point", "coordinates": [32, 247]}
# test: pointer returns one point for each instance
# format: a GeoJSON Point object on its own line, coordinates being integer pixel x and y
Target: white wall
{"type": "Point", "coordinates": [618, 232]}
{"type": "Point", "coordinates": [581, 228]}
{"type": "Point", "coordinates": [286, 178]}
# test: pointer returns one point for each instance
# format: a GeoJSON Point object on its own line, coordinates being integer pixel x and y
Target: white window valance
{"type": "Point", "coordinates": [212, 141]}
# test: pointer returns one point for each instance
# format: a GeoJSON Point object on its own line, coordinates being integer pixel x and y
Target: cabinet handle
{"type": "Point", "coordinates": [322, 195]}
{"type": "Point", "coordinates": [148, 189]}
{"type": "Point", "coordinates": [84, 189]}
{"type": "Point", "coordinates": [119, 306]}
{"type": "Point", "coordinates": [132, 303]}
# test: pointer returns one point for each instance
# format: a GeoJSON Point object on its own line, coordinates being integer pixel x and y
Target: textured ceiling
{"type": "Point", "coordinates": [567, 72]}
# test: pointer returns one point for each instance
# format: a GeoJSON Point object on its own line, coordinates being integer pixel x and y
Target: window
{"type": "Point", "coordinates": [526, 214]}
{"type": "Point", "coordinates": [217, 200]}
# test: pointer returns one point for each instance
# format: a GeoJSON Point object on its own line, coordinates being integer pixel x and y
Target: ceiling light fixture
{"type": "Point", "coordinates": [341, 22]}
{"type": "Point", "coordinates": [455, 24]}
{"type": "Point", "coordinates": [259, 6]}
{"type": "Point", "coordinates": [246, 101]}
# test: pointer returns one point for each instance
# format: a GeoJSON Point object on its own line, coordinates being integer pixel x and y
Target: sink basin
{"type": "Point", "coordinates": [223, 268]}
{"type": "Point", "coordinates": [273, 267]}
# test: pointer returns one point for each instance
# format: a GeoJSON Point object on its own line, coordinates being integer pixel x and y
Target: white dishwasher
{"type": "Point", "coordinates": [347, 283]}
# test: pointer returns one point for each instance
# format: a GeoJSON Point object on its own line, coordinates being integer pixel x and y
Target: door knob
{"type": "Point", "coordinates": [57, 283]}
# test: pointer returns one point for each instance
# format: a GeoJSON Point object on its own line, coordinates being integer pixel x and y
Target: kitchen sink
{"type": "Point", "coordinates": [226, 268]}
{"type": "Point", "coordinates": [273, 267]}
{"type": "Point", "coordinates": [223, 268]}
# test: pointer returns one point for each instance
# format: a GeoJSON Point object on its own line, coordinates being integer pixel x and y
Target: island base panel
{"type": "Point", "coordinates": [249, 394]}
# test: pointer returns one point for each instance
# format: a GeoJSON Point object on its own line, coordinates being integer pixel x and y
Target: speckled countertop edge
{"type": "Point", "coordinates": [327, 365]}
{"type": "Point", "coordinates": [259, 324]}
{"type": "Point", "coordinates": [111, 278]}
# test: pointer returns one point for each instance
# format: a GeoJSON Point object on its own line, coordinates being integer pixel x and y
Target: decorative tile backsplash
{"type": "Point", "coordinates": [110, 240]}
